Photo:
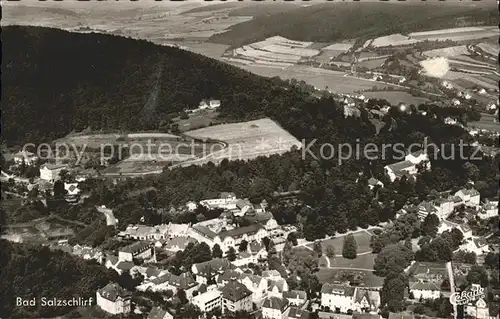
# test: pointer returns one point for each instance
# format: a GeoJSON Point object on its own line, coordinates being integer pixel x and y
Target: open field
{"type": "Point", "coordinates": [447, 52]}
{"type": "Point", "coordinates": [490, 48]}
{"type": "Point", "coordinates": [456, 34]}
{"type": "Point", "coordinates": [486, 122]}
{"type": "Point", "coordinates": [367, 278]}
{"type": "Point", "coordinates": [396, 97]}
{"type": "Point", "coordinates": [362, 239]}
{"type": "Point", "coordinates": [362, 262]}
{"type": "Point", "coordinates": [336, 81]}
{"type": "Point", "coordinates": [393, 40]}
{"type": "Point", "coordinates": [246, 140]}
{"type": "Point", "coordinates": [371, 64]}
{"type": "Point", "coordinates": [275, 49]}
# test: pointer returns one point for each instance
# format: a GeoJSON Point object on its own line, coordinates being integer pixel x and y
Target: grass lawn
{"type": "Point", "coordinates": [362, 239]}
{"type": "Point", "coordinates": [368, 279]}
{"type": "Point", "coordinates": [363, 261]}
{"type": "Point", "coordinates": [486, 122]}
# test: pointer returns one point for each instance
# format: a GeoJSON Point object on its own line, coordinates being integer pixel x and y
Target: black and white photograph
{"type": "Point", "coordinates": [249, 159]}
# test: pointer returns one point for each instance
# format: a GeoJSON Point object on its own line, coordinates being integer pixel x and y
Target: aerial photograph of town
{"type": "Point", "coordinates": [250, 159]}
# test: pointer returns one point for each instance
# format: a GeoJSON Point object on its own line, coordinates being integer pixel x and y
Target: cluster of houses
{"type": "Point", "coordinates": [469, 200]}
{"type": "Point", "coordinates": [408, 167]}
{"type": "Point", "coordinates": [205, 105]}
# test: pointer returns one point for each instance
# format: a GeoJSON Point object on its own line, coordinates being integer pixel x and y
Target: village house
{"type": "Point", "coordinates": [408, 166]}
{"type": "Point", "coordinates": [227, 276]}
{"type": "Point", "coordinates": [25, 157]}
{"type": "Point", "coordinates": [470, 197]}
{"type": "Point", "coordinates": [159, 313]}
{"type": "Point", "coordinates": [426, 279]}
{"type": "Point", "coordinates": [256, 284]}
{"type": "Point", "coordinates": [208, 301]}
{"type": "Point", "coordinates": [178, 243]}
{"type": "Point", "coordinates": [114, 299]}
{"type": "Point", "coordinates": [488, 210]}
{"type": "Point", "coordinates": [233, 238]}
{"type": "Point", "coordinates": [275, 308]}
{"type": "Point", "coordinates": [296, 297]}
{"type": "Point", "coordinates": [337, 298]}
{"type": "Point", "coordinates": [425, 208]}
{"type": "Point", "coordinates": [158, 232]}
{"type": "Point", "coordinates": [236, 297]}
{"type": "Point", "coordinates": [366, 300]}
{"type": "Point", "coordinates": [120, 266]}
{"type": "Point", "coordinates": [465, 230]}
{"type": "Point", "coordinates": [138, 250]}
{"type": "Point", "coordinates": [168, 281]}
{"type": "Point", "coordinates": [296, 313]}
{"type": "Point", "coordinates": [276, 287]}
{"type": "Point", "coordinates": [444, 207]}
{"type": "Point", "coordinates": [225, 201]}
{"type": "Point", "coordinates": [208, 271]}
{"type": "Point", "coordinates": [50, 172]}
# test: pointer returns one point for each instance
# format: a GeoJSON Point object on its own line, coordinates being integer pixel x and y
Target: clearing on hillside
{"type": "Point", "coordinates": [245, 141]}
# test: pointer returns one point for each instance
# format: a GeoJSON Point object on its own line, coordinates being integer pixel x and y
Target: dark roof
{"type": "Point", "coordinates": [125, 265]}
{"type": "Point", "coordinates": [228, 275]}
{"type": "Point", "coordinates": [238, 232]}
{"type": "Point", "coordinates": [235, 291]}
{"type": "Point", "coordinates": [400, 165]}
{"type": "Point", "coordinates": [423, 286]}
{"type": "Point", "coordinates": [212, 267]}
{"type": "Point", "coordinates": [297, 313]}
{"type": "Point", "coordinates": [276, 303]}
{"type": "Point", "coordinates": [204, 231]}
{"type": "Point", "coordinates": [295, 294]}
{"type": "Point", "coordinates": [136, 247]}
{"type": "Point", "coordinates": [112, 258]}
{"type": "Point", "coordinates": [157, 313]}
{"type": "Point", "coordinates": [337, 289]}
{"type": "Point", "coordinates": [112, 291]}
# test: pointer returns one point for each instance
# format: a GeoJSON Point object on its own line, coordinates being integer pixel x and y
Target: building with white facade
{"type": "Point", "coordinates": [236, 297]}
{"type": "Point", "coordinates": [114, 299]}
{"type": "Point", "coordinates": [407, 167]}
{"type": "Point", "coordinates": [275, 308]}
{"type": "Point", "coordinates": [337, 298]}
{"type": "Point", "coordinates": [25, 157]}
{"type": "Point", "coordinates": [138, 250]}
{"type": "Point", "coordinates": [50, 172]}
{"type": "Point", "coordinates": [296, 297]}
{"type": "Point", "coordinates": [208, 301]}
{"type": "Point", "coordinates": [470, 197]}
{"type": "Point", "coordinates": [256, 284]}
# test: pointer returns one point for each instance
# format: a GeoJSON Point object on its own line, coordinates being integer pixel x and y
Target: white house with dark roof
{"type": "Point", "coordinates": [465, 230]}
{"type": "Point", "coordinates": [256, 284]}
{"type": "Point", "coordinates": [276, 287]}
{"type": "Point", "coordinates": [25, 157]}
{"type": "Point", "coordinates": [226, 200]}
{"type": "Point", "coordinates": [228, 275]}
{"type": "Point", "coordinates": [296, 297]}
{"type": "Point", "coordinates": [50, 172]}
{"type": "Point", "coordinates": [296, 313]}
{"type": "Point", "coordinates": [372, 182]}
{"type": "Point", "coordinates": [338, 298]}
{"type": "Point", "coordinates": [470, 197]}
{"type": "Point", "coordinates": [233, 238]}
{"type": "Point", "coordinates": [178, 243]}
{"type": "Point", "coordinates": [425, 290]}
{"type": "Point", "coordinates": [425, 208]}
{"type": "Point", "coordinates": [366, 300]}
{"type": "Point", "coordinates": [236, 297]}
{"type": "Point", "coordinates": [209, 270]}
{"type": "Point", "coordinates": [114, 299]}
{"type": "Point", "coordinates": [139, 250]}
{"type": "Point", "coordinates": [275, 308]}
{"type": "Point", "coordinates": [407, 167]}
{"type": "Point", "coordinates": [488, 210]}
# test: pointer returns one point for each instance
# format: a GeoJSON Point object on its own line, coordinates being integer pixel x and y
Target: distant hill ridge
{"type": "Point", "coordinates": [334, 21]}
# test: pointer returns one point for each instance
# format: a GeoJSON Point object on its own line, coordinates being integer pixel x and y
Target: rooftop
{"type": "Point", "coordinates": [136, 247]}
{"type": "Point", "coordinates": [276, 303]}
{"type": "Point", "coordinates": [113, 291]}
{"type": "Point", "coordinates": [399, 166]}
{"type": "Point", "coordinates": [207, 296]}
{"type": "Point", "coordinates": [238, 232]}
{"type": "Point", "coordinates": [337, 289]}
{"type": "Point", "coordinates": [235, 291]}
{"type": "Point", "coordinates": [297, 313]}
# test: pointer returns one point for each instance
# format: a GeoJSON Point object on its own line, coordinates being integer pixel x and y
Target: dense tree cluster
{"type": "Point", "coordinates": [27, 272]}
